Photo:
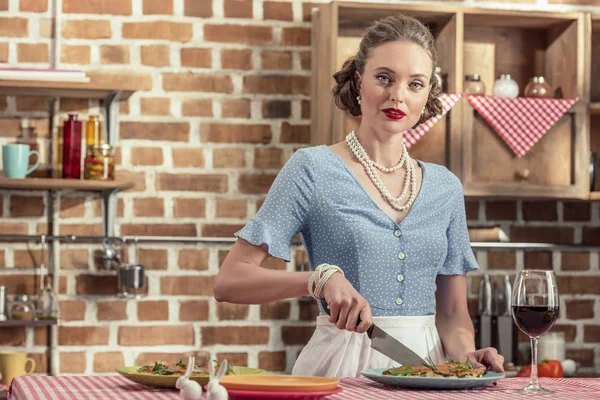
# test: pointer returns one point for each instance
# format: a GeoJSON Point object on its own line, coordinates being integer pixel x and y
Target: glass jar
{"type": "Point", "coordinates": [47, 302]}
{"type": "Point", "coordinates": [538, 88]}
{"type": "Point", "coordinates": [71, 154]}
{"type": "Point", "coordinates": [473, 85]}
{"type": "Point", "coordinates": [93, 131]}
{"type": "Point", "coordinates": [100, 163]}
{"type": "Point", "coordinates": [505, 86]}
{"type": "Point", "coordinates": [22, 308]}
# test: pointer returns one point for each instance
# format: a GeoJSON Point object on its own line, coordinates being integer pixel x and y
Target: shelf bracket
{"type": "Point", "coordinates": [111, 117]}
{"type": "Point", "coordinates": [109, 210]}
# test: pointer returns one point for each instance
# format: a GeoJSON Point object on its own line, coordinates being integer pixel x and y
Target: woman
{"type": "Point", "coordinates": [386, 235]}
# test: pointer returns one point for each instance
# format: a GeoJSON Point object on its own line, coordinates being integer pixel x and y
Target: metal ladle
{"type": "Point", "coordinates": [110, 256]}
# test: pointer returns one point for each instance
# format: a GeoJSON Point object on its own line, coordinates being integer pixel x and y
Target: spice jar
{"type": "Point", "coordinates": [538, 87]}
{"type": "Point", "coordinates": [505, 86]}
{"type": "Point", "coordinates": [473, 85]}
{"type": "Point", "coordinates": [100, 163]}
{"type": "Point", "coordinates": [22, 308]}
{"type": "Point", "coordinates": [93, 131]}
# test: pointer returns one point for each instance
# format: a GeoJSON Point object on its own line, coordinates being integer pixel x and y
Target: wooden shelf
{"type": "Point", "coordinates": [64, 184]}
{"type": "Point", "coordinates": [26, 322]}
{"type": "Point", "coordinates": [595, 108]}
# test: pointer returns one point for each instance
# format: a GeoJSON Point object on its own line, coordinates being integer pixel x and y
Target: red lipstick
{"type": "Point", "coordinates": [394, 113]}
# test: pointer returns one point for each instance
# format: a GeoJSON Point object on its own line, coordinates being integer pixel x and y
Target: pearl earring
{"type": "Point", "coordinates": [423, 111]}
{"type": "Point", "coordinates": [358, 99]}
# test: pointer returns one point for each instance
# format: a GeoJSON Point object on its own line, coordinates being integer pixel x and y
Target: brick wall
{"type": "Point", "coordinates": [227, 102]}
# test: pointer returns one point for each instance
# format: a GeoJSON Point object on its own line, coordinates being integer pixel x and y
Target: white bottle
{"type": "Point", "coordinates": [505, 86]}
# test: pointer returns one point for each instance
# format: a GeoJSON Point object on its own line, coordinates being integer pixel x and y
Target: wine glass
{"type": "Point", "coordinates": [535, 306]}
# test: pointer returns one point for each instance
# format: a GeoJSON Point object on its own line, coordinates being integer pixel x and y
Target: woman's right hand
{"type": "Point", "coordinates": [346, 305]}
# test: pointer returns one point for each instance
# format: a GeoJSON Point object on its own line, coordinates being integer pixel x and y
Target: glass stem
{"type": "Point", "coordinates": [533, 379]}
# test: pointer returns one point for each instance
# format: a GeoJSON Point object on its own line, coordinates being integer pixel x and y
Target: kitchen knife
{"type": "Point", "coordinates": [485, 312]}
{"type": "Point", "coordinates": [507, 333]}
{"type": "Point", "coordinates": [386, 344]}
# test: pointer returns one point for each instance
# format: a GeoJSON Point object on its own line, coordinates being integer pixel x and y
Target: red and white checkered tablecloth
{"type": "Point", "coordinates": [117, 387]}
{"type": "Point", "coordinates": [412, 136]}
{"type": "Point", "coordinates": [523, 121]}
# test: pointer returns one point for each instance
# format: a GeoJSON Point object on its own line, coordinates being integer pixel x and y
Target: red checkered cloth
{"type": "Point", "coordinates": [523, 121]}
{"type": "Point", "coordinates": [117, 387]}
{"type": "Point", "coordinates": [412, 136]}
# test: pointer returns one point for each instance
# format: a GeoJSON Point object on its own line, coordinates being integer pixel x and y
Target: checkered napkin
{"type": "Point", "coordinates": [520, 122]}
{"type": "Point", "coordinates": [412, 136]}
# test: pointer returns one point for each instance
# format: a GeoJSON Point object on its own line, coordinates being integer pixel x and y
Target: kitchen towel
{"type": "Point", "coordinates": [412, 136]}
{"type": "Point", "coordinates": [520, 122]}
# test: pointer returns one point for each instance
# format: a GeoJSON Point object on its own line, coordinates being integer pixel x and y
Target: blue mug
{"type": "Point", "coordinates": [15, 160]}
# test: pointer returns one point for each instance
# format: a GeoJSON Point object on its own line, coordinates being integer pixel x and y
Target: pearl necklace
{"type": "Point", "coordinates": [371, 169]}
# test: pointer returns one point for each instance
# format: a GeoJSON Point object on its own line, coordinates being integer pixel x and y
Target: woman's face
{"type": "Point", "coordinates": [394, 86]}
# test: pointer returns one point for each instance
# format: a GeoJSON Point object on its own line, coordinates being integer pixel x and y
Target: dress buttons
{"type": "Point", "coordinates": [400, 278]}
{"type": "Point", "coordinates": [402, 256]}
{"type": "Point", "coordinates": [399, 301]}
{"type": "Point", "coordinates": [397, 233]}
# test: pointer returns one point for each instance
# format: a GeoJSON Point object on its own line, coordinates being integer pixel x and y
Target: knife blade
{"type": "Point", "coordinates": [387, 344]}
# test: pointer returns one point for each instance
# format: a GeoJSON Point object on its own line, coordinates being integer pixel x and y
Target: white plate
{"type": "Point", "coordinates": [425, 382]}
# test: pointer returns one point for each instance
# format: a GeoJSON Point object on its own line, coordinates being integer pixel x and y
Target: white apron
{"type": "Point", "coordinates": [338, 353]}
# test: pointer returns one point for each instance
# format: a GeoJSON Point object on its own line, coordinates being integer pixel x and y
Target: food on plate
{"type": "Point", "coordinates": [454, 369]}
{"type": "Point", "coordinates": [163, 368]}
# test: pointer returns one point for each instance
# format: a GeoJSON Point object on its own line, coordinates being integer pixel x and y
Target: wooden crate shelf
{"type": "Point", "coordinates": [64, 184]}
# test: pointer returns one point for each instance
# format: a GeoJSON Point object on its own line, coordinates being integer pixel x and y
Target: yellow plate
{"type": "Point", "coordinates": [168, 381]}
{"type": "Point", "coordinates": [279, 383]}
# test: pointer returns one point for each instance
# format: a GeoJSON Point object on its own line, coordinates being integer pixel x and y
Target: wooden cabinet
{"type": "Point", "coordinates": [595, 104]}
{"type": "Point", "coordinates": [490, 43]}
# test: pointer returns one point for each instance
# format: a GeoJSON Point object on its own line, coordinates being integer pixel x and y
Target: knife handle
{"type": "Point", "coordinates": [326, 308]}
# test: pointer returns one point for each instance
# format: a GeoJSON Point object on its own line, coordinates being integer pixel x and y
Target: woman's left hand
{"type": "Point", "coordinates": [488, 358]}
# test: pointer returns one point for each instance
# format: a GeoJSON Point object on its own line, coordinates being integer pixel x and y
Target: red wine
{"type": "Point", "coordinates": [535, 320]}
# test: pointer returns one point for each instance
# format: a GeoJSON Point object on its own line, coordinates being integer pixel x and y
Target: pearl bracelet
{"type": "Point", "coordinates": [319, 278]}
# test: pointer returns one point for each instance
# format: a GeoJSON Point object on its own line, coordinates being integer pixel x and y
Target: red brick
{"type": "Point", "coordinates": [237, 8]}
{"type": "Point", "coordinates": [278, 10]}
{"type": "Point", "coordinates": [75, 55]}
{"type": "Point", "coordinates": [82, 335]}
{"type": "Point", "coordinates": [591, 235]}
{"type": "Point", "coordinates": [236, 59]}
{"type": "Point", "coordinates": [193, 310]}
{"type": "Point", "coordinates": [116, 54]}
{"type": "Point", "coordinates": [3, 59]}
{"type": "Point", "coordinates": [114, 7]}
{"type": "Point", "coordinates": [501, 260]}
{"type": "Point", "coordinates": [255, 183]}
{"type": "Point", "coordinates": [33, 5]}
{"type": "Point", "coordinates": [108, 361]}
{"type": "Point", "coordinates": [40, 336]}
{"type": "Point", "coordinates": [224, 133]}
{"type": "Point", "coordinates": [503, 210]}
{"type": "Point", "coordinates": [235, 108]}
{"type": "Point", "coordinates": [32, 52]}
{"type": "Point", "coordinates": [276, 109]}
{"type": "Point", "coordinates": [12, 336]}
{"type": "Point", "coordinates": [149, 207]}
{"type": "Point", "coordinates": [540, 211]}
{"type": "Point", "coordinates": [192, 182]}
{"type": "Point", "coordinates": [277, 310]}
{"type": "Point", "coordinates": [276, 60]}
{"type": "Point", "coordinates": [193, 259]}
{"type": "Point", "coordinates": [72, 207]}
{"type": "Point", "coordinates": [585, 357]}
{"type": "Point", "coordinates": [575, 261]}
{"type": "Point", "coordinates": [74, 258]}
{"type": "Point", "coordinates": [306, 115]}
{"type": "Point", "coordinates": [112, 310]}
{"type": "Point", "coordinates": [20, 284]}
{"type": "Point", "coordinates": [163, 30]}
{"type": "Point", "coordinates": [72, 362]}
{"type": "Point", "coordinates": [32, 103]}
{"type": "Point", "coordinates": [538, 260]}
{"type": "Point", "coordinates": [96, 285]}
{"type": "Point", "coordinates": [147, 156]}
{"type": "Point", "coordinates": [190, 82]}
{"type": "Point", "coordinates": [579, 284]}
{"type": "Point", "coordinates": [233, 335]}
{"type": "Point", "coordinates": [195, 8]}
{"type": "Point", "coordinates": [26, 206]}
{"type": "Point", "coordinates": [155, 105]}
{"type": "Point", "coordinates": [26, 258]}
{"type": "Point", "coordinates": [2, 261]}
{"type": "Point", "coordinates": [295, 36]}
{"type": "Point", "coordinates": [220, 230]}
{"type": "Point", "coordinates": [156, 55]}
{"type": "Point", "coordinates": [80, 229]}
{"type": "Point", "coordinates": [158, 335]}
{"type": "Point", "coordinates": [237, 359]}
{"type": "Point", "coordinates": [591, 333]}
{"type": "Point", "coordinates": [196, 57]}
{"type": "Point", "coordinates": [14, 27]}
{"type": "Point", "coordinates": [158, 229]}
{"type": "Point", "coordinates": [154, 259]}
{"type": "Point", "coordinates": [562, 235]}
{"type": "Point", "coordinates": [41, 362]}
{"type": "Point", "coordinates": [3, 5]}
{"type": "Point", "coordinates": [230, 311]}
{"type": "Point", "coordinates": [307, 10]}
{"type": "Point", "coordinates": [187, 285]}
{"type": "Point", "coordinates": [231, 208]}
{"type": "Point", "coordinates": [276, 84]}
{"type": "Point", "coordinates": [577, 211]}
{"type": "Point", "coordinates": [72, 310]}
{"type": "Point", "coordinates": [193, 208]}
{"type": "Point", "coordinates": [296, 335]}
{"type": "Point", "coordinates": [86, 29]}
{"type": "Point", "coordinates": [268, 158]}
{"type": "Point", "coordinates": [272, 360]}
{"type": "Point", "coordinates": [308, 310]}
{"type": "Point", "coordinates": [188, 157]}
{"type": "Point", "coordinates": [306, 60]}
{"type": "Point", "coordinates": [196, 108]}
{"type": "Point", "coordinates": [164, 131]}
{"type": "Point", "coordinates": [150, 7]}
{"type": "Point", "coordinates": [153, 310]}
{"type": "Point", "coordinates": [580, 309]}
{"type": "Point", "coordinates": [295, 133]}
{"type": "Point", "coordinates": [244, 34]}
{"type": "Point", "coordinates": [229, 158]}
